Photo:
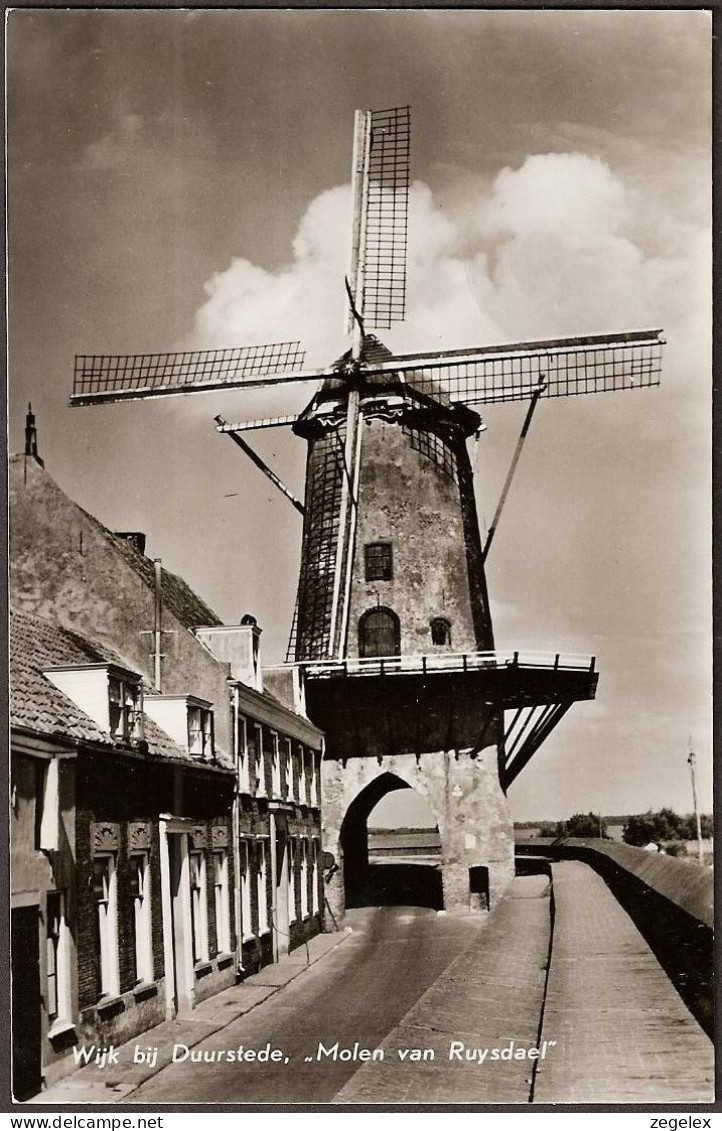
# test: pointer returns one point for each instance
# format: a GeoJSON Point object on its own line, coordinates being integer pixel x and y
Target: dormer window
{"type": "Point", "coordinates": [110, 695]}
{"type": "Point", "coordinates": [124, 712]}
{"type": "Point", "coordinates": [187, 719]}
{"type": "Point", "coordinates": [200, 731]}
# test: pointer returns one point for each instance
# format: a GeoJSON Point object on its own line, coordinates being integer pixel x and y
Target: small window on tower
{"type": "Point", "coordinates": [378, 561]}
{"type": "Point", "coordinates": [440, 631]}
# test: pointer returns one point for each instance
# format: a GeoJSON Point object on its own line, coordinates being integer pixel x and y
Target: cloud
{"type": "Point", "coordinates": [567, 194]}
{"type": "Point", "coordinates": [559, 245]}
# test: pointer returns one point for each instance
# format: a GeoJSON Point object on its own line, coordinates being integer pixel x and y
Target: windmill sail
{"type": "Point", "coordinates": [567, 367]}
{"type": "Point", "coordinates": [386, 218]}
{"type": "Point", "coordinates": [380, 216]}
{"type": "Point", "coordinates": [113, 377]}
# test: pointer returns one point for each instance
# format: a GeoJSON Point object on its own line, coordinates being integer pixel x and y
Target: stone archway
{"type": "Point", "coordinates": [465, 798]}
{"type": "Point", "coordinates": [395, 882]}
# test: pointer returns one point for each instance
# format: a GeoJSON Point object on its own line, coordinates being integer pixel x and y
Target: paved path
{"type": "Point", "coordinates": [357, 993]}
{"type": "Point", "coordinates": [114, 1083]}
{"type": "Point", "coordinates": [623, 1033]}
{"type": "Point", "coordinates": [488, 998]}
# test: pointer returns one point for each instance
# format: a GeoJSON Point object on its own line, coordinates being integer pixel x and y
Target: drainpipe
{"type": "Point", "coordinates": [158, 611]}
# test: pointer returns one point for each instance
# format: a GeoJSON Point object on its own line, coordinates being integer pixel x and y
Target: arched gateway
{"type": "Point", "coordinates": [402, 875]}
{"type": "Point", "coordinates": [346, 835]}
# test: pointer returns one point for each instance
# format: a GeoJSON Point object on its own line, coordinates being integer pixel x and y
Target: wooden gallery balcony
{"type": "Point", "coordinates": [456, 702]}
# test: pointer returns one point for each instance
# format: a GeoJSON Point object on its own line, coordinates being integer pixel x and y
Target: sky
{"type": "Point", "coordinates": [180, 179]}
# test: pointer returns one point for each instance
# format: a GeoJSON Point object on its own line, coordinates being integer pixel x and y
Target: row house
{"type": "Point", "coordinates": [221, 795]}
{"type": "Point", "coordinates": [277, 757]}
{"type": "Point", "coordinates": [122, 868]}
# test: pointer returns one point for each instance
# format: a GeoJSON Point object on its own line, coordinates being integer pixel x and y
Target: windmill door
{"type": "Point", "coordinates": [27, 1061]}
{"type": "Point", "coordinates": [379, 633]}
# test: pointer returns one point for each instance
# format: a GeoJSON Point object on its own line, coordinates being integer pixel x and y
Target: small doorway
{"type": "Point", "coordinates": [26, 1038]}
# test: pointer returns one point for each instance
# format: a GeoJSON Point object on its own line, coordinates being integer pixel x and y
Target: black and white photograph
{"type": "Point", "coordinates": [360, 604]}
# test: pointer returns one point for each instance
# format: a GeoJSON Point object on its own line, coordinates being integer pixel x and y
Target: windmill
{"type": "Point", "coordinates": [392, 628]}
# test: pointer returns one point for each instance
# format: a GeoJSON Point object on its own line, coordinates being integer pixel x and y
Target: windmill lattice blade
{"type": "Point", "coordinates": [567, 366]}
{"type": "Point", "coordinates": [386, 218]}
{"type": "Point", "coordinates": [104, 377]}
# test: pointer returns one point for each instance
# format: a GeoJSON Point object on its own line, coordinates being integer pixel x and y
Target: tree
{"type": "Point", "coordinates": [663, 825]}
{"type": "Point", "coordinates": [586, 825]}
{"type": "Point", "coordinates": [547, 828]}
{"type": "Point", "coordinates": [639, 829]}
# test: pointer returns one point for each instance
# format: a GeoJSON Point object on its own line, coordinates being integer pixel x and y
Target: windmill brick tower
{"type": "Point", "coordinates": [392, 639]}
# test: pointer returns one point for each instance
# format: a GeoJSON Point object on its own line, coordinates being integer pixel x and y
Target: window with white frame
{"type": "Point", "coordinates": [41, 773]}
{"type": "Point", "coordinates": [275, 765]}
{"type": "Point", "coordinates": [313, 759]}
{"type": "Point", "coordinates": [314, 880]}
{"type": "Point", "coordinates": [289, 769]}
{"type": "Point", "coordinates": [302, 786]}
{"type": "Point", "coordinates": [222, 902]}
{"type": "Point", "coordinates": [244, 776]}
{"type": "Point", "coordinates": [140, 892]}
{"type": "Point", "coordinates": [56, 935]}
{"type": "Point", "coordinates": [261, 885]}
{"type": "Point", "coordinates": [47, 805]}
{"type": "Point", "coordinates": [106, 913]}
{"type": "Point", "coordinates": [199, 908]}
{"type": "Point", "coordinates": [304, 879]}
{"type": "Point", "coordinates": [291, 880]}
{"type": "Point", "coordinates": [245, 867]}
{"type": "Point", "coordinates": [125, 708]}
{"type": "Point", "coordinates": [200, 731]}
{"type": "Point", "coordinates": [260, 767]}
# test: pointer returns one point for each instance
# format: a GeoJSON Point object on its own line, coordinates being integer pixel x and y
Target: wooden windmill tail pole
{"type": "Point", "coordinates": [512, 469]}
{"type": "Point", "coordinates": [255, 458]}
{"type": "Point", "coordinates": [354, 488]}
{"type": "Point", "coordinates": [355, 285]}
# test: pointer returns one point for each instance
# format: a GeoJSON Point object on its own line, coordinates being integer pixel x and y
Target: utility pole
{"type": "Point", "coordinates": [691, 759]}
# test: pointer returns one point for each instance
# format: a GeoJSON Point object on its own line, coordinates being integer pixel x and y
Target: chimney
{"type": "Point", "coordinates": [135, 537]}
{"type": "Point", "coordinates": [237, 645]}
{"type": "Point", "coordinates": [31, 437]}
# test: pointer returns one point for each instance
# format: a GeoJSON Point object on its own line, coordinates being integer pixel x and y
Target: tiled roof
{"type": "Point", "coordinates": [37, 704]}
